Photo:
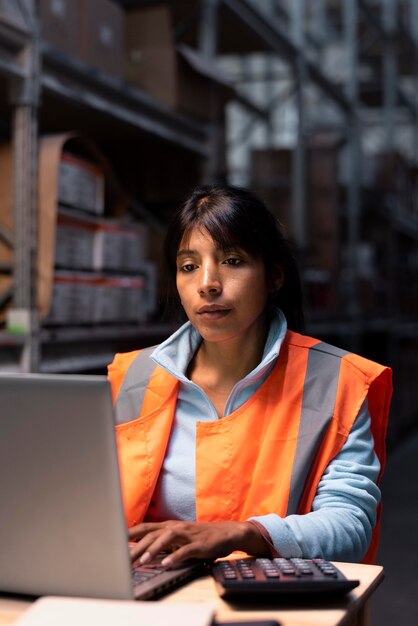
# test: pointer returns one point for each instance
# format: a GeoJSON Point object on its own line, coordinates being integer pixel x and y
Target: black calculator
{"type": "Point", "coordinates": [254, 576]}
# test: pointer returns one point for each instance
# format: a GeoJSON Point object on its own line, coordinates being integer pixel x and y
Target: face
{"type": "Point", "coordinates": [224, 293]}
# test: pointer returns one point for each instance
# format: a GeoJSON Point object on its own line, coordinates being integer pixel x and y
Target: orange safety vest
{"type": "Point", "coordinates": [270, 453]}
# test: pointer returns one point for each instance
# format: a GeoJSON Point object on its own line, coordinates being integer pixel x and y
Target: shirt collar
{"type": "Point", "coordinates": [176, 352]}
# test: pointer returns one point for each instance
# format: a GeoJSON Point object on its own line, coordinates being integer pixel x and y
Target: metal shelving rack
{"type": "Point", "coordinates": [282, 33]}
{"type": "Point", "coordinates": [69, 81]}
{"type": "Point", "coordinates": [20, 66]}
{"type": "Point", "coordinates": [353, 326]}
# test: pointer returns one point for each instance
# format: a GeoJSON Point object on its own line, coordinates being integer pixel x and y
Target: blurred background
{"type": "Point", "coordinates": [110, 111]}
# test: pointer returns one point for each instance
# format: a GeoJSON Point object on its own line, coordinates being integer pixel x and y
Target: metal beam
{"type": "Point", "coordinates": [71, 80]}
{"type": "Point", "coordinates": [208, 28]}
{"type": "Point", "coordinates": [271, 34]}
{"type": "Point", "coordinates": [354, 164]}
{"type": "Point", "coordinates": [372, 19]}
{"type": "Point", "coordinates": [390, 71]}
{"type": "Point", "coordinates": [24, 98]}
{"type": "Point", "coordinates": [299, 165]}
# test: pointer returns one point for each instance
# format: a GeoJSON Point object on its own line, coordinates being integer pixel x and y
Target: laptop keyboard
{"type": "Point", "coordinates": [141, 573]}
{"type": "Point", "coordinates": [152, 580]}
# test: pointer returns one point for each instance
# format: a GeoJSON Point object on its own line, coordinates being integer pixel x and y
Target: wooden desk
{"type": "Point", "coordinates": [351, 610]}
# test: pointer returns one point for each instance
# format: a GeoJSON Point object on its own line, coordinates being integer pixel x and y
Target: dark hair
{"type": "Point", "coordinates": [235, 217]}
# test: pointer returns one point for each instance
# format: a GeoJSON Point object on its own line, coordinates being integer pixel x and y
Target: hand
{"type": "Point", "coordinates": [186, 540]}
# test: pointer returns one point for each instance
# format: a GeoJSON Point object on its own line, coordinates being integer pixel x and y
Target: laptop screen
{"type": "Point", "coordinates": [61, 517]}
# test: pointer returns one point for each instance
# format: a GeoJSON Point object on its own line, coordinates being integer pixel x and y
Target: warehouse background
{"type": "Point", "coordinates": [109, 113]}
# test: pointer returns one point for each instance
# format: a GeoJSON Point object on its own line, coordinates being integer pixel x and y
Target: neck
{"type": "Point", "coordinates": [233, 359]}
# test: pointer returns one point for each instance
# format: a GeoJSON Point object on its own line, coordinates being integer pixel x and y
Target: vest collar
{"type": "Point", "coordinates": [176, 352]}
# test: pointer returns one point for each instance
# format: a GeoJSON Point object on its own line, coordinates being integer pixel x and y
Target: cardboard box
{"type": "Point", "coordinates": [181, 78]}
{"type": "Point", "coordinates": [133, 308]}
{"type": "Point", "coordinates": [102, 35]}
{"type": "Point", "coordinates": [119, 248]}
{"type": "Point", "coordinates": [51, 150]}
{"type": "Point", "coordinates": [107, 305]}
{"type": "Point", "coordinates": [74, 243]}
{"type": "Point", "coordinates": [81, 184]}
{"type": "Point", "coordinates": [177, 75]}
{"type": "Point", "coordinates": [87, 298]}
{"type": "Point", "coordinates": [72, 299]}
{"type": "Point", "coordinates": [119, 299]}
{"type": "Point", "coordinates": [91, 30]}
{"type": "Point", "coordinates": [147, 28]}
{"type": "Point", "coordinates": [60, 24]}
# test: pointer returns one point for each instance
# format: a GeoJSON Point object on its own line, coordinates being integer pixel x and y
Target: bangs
{"type": "Point", "coordinates": [225, 223]}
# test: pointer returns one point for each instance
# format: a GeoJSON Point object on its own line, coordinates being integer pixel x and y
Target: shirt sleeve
{"type": "Point", "coordinates": [339, 527]}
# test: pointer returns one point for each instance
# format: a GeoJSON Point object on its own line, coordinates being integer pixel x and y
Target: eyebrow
{"type": "Point", "coordinates": [188, 251]}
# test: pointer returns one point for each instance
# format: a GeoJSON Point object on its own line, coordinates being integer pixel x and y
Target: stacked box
{"type": "Point", "coordinates": [74, 243]}
{"type": "Point", "coordinates": [119, 299]}
{"type": "Point", "coordinates": [60, 24]}
{"type": "Point", "coordinates": [177, 75]}
{"type": "Point", "coordinates": [119, 248]}
{"type": "Point", "coordinates": [81, 184]}
{"type": "Point", "coordinates": [72, 299]}
{"type": "Point", "coordinates": [107, 301]}
{"type": "Point", "coordinates": [83, 298]}
{"type": "Point", "coordinates": [101, 35]}
{"type": "Point", "coordinates": [92, 31]}
{"type": "Point", "coordinates": [132, 297]}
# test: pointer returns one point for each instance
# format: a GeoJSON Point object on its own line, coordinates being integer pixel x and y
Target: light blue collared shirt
{"type": "Point", "coordinates": [344, 509]}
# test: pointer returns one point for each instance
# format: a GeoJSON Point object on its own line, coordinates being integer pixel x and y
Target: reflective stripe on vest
{"type": "Point", "coordinates": [130, 398]}
{"type": "Point", "coordinates": [318, 391]}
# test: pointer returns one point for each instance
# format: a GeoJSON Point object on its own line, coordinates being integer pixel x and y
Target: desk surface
{"type": "Point", "coordinates": [344, 611]}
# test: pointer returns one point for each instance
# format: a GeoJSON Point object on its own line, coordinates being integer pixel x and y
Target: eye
{"type": "Point", "coordinates": [232, 261]}
{"type": "Point", "coordinates": [187, 267]}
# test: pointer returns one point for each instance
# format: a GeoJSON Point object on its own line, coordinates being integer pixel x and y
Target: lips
{"type": "Point", "coordinates": [212, 312]}
{"type": "Point", "coordinates": [212, 308]}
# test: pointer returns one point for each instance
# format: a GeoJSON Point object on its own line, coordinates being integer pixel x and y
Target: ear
{"type": "Point", "coordinates": [277, 279]}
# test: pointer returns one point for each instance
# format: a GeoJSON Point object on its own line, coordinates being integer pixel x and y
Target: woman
{"type": "Point", "coordinates": [238, 433]}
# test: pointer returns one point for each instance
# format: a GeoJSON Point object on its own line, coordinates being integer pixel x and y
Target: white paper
{"type": "Point", "coordinates": [63, 611]}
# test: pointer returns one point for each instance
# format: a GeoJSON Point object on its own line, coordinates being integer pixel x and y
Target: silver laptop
{"type": "Point", "coordinates": [62, 526]}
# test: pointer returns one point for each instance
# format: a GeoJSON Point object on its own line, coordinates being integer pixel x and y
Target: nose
{"type": "Point", "coordinates": [210, 282]}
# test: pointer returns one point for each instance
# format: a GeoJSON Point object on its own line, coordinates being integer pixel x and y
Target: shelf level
{"type": "Point", "coordinates": [80, 84]}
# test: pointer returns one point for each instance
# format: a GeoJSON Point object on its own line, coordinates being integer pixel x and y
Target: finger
{"type": "Point", "coordinates": [184, 553]}
{"type": "Point", "coordinates": [140, 548]}
{"type": "Point", "coordinates": [140, 530]}
{"type": "Point", "coordinates": [161, 543]}
{"type": "Point", "coordinates": [154, 543]}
